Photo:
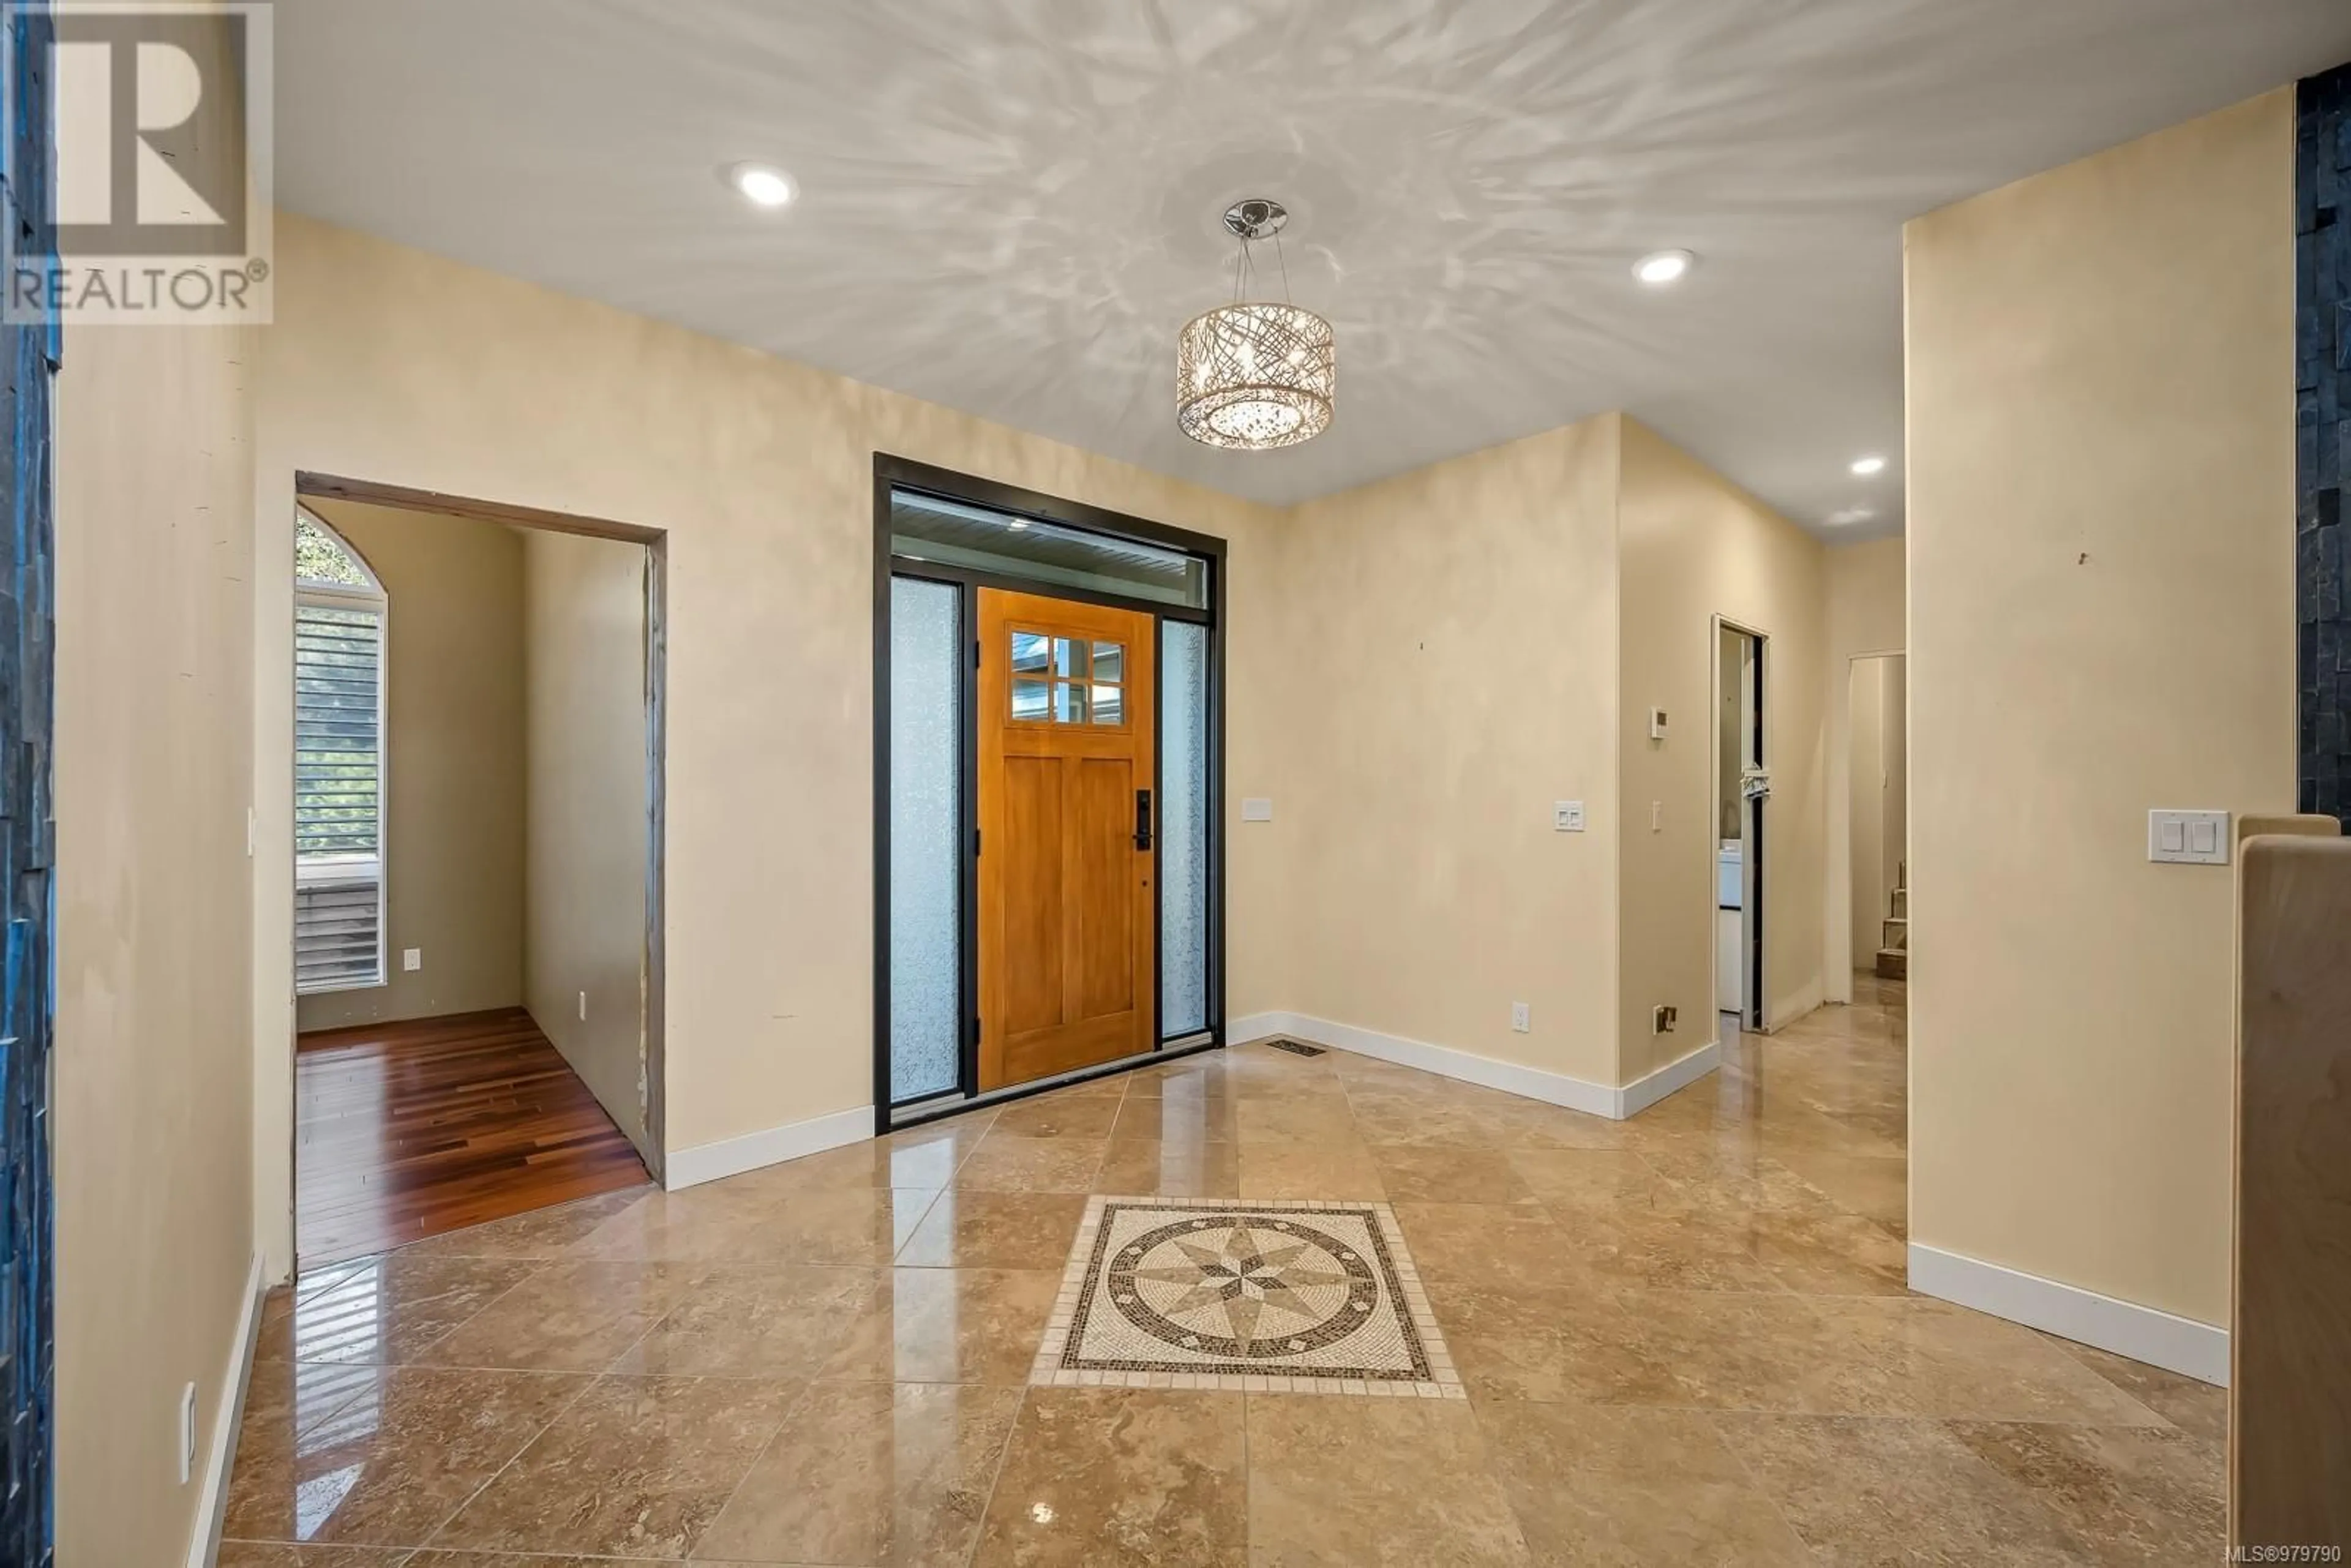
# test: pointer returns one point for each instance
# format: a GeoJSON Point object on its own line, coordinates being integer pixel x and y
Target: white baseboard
{"type": "Point", "coordinates": [1645, 1091]}
{"type": "Point", "coordinates": [1532, 1082]}
{"type": "Point", "coordinates": [1510, 1077]}
{"type": "Point", "coordinates": [1258, 1026]}
{"type": "Point", "coordinates": [2143, 1334]}
{"type": "Point", "coordinates": [732, 1157]}
{"type": "Point", "coordinates": [228, 1419]}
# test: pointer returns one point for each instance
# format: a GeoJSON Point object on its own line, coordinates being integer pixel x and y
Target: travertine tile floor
{"type": "Point", "coordinates": [1685, 1341]}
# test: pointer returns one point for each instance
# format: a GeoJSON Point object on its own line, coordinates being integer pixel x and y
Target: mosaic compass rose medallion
{"type": "Point", "coordinates": [1298, 1297]}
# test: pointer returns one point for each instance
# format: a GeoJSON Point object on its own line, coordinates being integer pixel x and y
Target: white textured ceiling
{"type": "Point", "coordinates": [1010, 206]}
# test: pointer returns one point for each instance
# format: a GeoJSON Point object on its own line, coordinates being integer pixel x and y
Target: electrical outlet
{"type": "Point", "coordinates": [411, 958]}
{"type": "Point", "coordinates": [187, 1433]}
{"type": "Point", "coordinates": [1522, 1017]}
{"type": "Point", "coordinates": [1667, 1018]}
{"type": "Point", "coordinates": [583, 1007]}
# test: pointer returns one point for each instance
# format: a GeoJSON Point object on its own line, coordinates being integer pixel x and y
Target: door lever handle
{"type": "Point", "coordinates": [1143, 819]}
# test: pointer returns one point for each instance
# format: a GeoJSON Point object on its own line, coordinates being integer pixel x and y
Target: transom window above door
{"type": "Point", "coordinates": [1066, 680]}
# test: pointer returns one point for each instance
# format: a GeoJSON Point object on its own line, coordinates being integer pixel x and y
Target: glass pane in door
{"type": "Point", "coordinates": [1182, 829]}
{"type": "Point", "coordinates": [925, 838]}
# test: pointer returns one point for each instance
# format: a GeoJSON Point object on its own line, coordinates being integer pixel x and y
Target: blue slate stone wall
{"type": "Point", "coordinates": [2323, 436]}
{"type": "Point", "coordinates": [27, 359]}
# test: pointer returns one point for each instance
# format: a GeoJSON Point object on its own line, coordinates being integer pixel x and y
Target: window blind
{"type": "Point", "coordinates": [338, 795]}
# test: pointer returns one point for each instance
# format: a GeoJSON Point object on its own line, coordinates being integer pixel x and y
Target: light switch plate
{"type": "Point", "coordinates": [2188, 838]}
{"type": "Point", "coordinates": [411, 958]}
{"type": "Point", "coordinates": [1257, 808]}
{"type": "Point", "coordinates": [1567, 815]}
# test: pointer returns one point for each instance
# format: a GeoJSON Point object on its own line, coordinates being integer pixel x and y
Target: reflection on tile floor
{"type": "Point", "coordinates": [1684, 1340]}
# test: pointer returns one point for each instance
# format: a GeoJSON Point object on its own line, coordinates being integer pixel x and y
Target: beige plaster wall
{"type": "Point", "coordinates": [1894, 820]}
{"type": "Point", "coordinates": [453, 774]}
{"type": "Point", "coordinates": [151, 1111]}
{"type": "Point", "coordinates": [155, 1062]}
{"type": "Point", "coordinates": [1695, 547]}
{"type": "Point", "coordinates": [2101, 463]}
{"type": "Point", "coordinates": [1867, 590]}
{"type": "Point", "coordinates": [589, 826]}
{"type": "Point", "coordinates": [1730, 734]}
{"type": "Point", "coordinates": [1445, 657]}
{"type": "Point", "coordinates": [1865, 795]}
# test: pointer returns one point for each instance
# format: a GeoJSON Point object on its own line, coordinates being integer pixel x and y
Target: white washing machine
{"type": "Point", "coordinates": [1730, 949]}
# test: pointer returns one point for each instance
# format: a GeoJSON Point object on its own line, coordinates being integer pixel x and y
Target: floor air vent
{"type": "Point", "coordinates": [1295, 1048]}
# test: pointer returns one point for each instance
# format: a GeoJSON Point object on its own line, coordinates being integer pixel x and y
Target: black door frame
{"type": "Point", "coordinates": [1755, 811]}
{"type": "Point", "coordinates": [893, 474]}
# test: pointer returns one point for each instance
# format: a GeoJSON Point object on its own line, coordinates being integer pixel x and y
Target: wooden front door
{"type": "Point", "coordinates": [1068, 923]}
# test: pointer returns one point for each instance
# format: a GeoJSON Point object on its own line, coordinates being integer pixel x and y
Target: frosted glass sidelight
{"type": "Point", "coordinates": [1182, 829]}
{"type": "Point", "coordinates": [925, 838]}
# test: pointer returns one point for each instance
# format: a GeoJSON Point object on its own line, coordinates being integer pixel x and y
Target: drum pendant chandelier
{"type": "Point", "coordinates": [1254, 375]}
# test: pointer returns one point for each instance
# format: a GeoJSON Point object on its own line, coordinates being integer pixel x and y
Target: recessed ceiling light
{"type": "Point", "coordinates": [1662, 267]}
{"type": "Point", "coordinates": [1019, 524]}
{"type": "Point", "coordinates": [1865, 467]}
{"type": "Point", "coordinates": [762, 184]}
{"type": "Point", "coordinates": [1851, 515]}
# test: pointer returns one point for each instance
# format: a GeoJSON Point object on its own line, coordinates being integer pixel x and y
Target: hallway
{"type": "Point", "coordinates": [408, 1130]}
{"type": "Point", "coordinates": [1683, 1338]}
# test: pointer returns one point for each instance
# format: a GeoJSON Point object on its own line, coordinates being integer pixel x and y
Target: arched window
{"type": "Point", "coordinates": [338, 763]}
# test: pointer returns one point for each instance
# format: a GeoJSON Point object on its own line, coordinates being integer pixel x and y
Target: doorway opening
{"type": "Point", "coordinates": [477, 893]}
{"type": "Point", "coordinates": [1742, 791]}
{"type": "Point", "coordinates": [1880, 816]}
{"type": "Point", "coordinates": [1048, 888]}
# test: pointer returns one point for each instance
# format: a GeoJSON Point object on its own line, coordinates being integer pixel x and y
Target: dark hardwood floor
{"type": "Point", "coordinates": [407, 1130]}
